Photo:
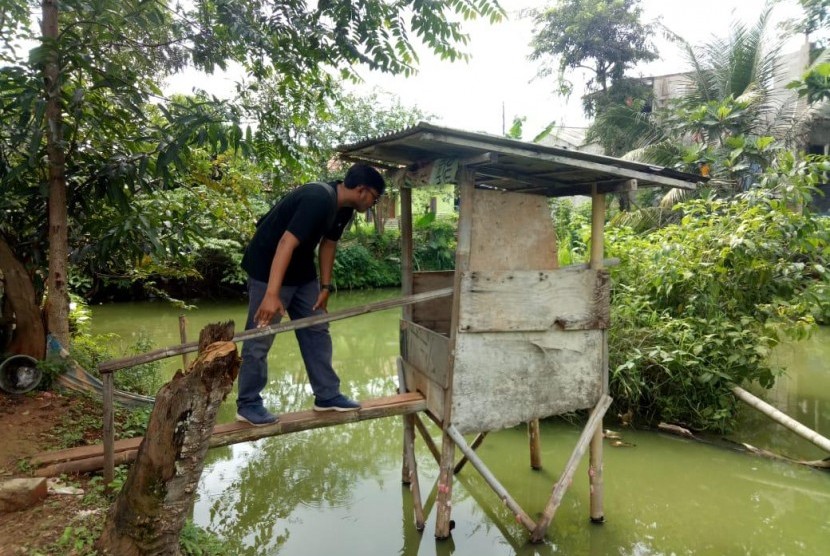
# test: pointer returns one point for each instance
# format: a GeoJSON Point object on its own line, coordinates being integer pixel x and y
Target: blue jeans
{"type": "Point", "coordinates": [315, 345]}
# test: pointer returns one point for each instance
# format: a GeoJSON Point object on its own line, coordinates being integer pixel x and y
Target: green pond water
{"type": "Point", "coordinates": [338, 491]}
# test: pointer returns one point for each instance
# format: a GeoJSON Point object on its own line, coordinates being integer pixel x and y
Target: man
{"type": "Point", "coordinates": [281, 278]}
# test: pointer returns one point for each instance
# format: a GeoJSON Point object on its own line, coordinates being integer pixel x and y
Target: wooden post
{"type": "Point", "coordinates": [595, 467]}
{"type": "Point", "coordinates": [109, 428]}
{"type": "Point", "coordinates": [405, 228]}
{"type": "Point", "coordinates": [148, 515]}
{"type": "Point", "coordinates": [410, 466]}
{"type": "Point", "coordinates": [183, 336]}
{"type": "Point", "coordinates": [443, 524]}
{"type": "Point", "coordinates": [535, 445]}
{"type": "Point", "coordinates": [588, 433]}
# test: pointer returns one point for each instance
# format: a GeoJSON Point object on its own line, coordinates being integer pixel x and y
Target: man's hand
{"type": "Point", "coordinates": [271, 305]}
{"type": "Point", "coordinates": [322, 301]}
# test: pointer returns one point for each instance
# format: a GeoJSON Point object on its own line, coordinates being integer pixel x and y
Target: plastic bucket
{"type": "Point", "coordinates": [19, 374]}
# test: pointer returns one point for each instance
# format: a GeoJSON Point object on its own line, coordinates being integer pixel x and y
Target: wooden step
{"type": "Point", "coordinates": [91, 457]}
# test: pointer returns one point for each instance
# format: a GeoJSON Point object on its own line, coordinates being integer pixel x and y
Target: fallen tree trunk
{"type": "Point", "coordinates": [151, 509]}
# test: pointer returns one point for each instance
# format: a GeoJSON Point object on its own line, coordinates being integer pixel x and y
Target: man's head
{"type": "Point", "coordinates": [368, 182]}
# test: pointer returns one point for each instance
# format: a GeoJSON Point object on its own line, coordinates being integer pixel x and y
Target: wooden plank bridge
{"type": "Point", "coordinates": [91, 458]}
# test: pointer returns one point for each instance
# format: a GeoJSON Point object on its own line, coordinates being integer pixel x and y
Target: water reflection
{"type": "Point", "coordinates": [338, 490]}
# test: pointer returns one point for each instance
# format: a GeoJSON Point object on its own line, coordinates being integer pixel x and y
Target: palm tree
{"type": "Point", "coordinates": [728, 120]}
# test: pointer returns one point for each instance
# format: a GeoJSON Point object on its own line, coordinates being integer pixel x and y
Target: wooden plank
{"type": "Point", "coordinates": [528, 300]}
{"type": "Point", "coordinates": [513, 231]}
{"type": "Point", "coordinates": [427, 351]}
{"type": "Point", "coordinates": [565, 479]}
{"type": "Point", "coordinates": [434, 314]}
{"type": "Point", "coordinates": [232, 433]}
{"type": "Point", "coordinates": [503, 379]}
{"type": "Point", "coordinates": [595, 466]}
{"type": "Point", "coordinates": [432, 391]}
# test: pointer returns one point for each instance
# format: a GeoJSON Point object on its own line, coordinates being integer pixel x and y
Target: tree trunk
{"type": "Point", "coordinates": [57, 292]}
{"type": "Point", "coordinates": [150, 511]}
{"type": "Point", "coordinates": [29, 337]}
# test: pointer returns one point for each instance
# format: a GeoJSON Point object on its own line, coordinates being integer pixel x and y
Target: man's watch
{"type": "Point", "coordinates": [326, 287]}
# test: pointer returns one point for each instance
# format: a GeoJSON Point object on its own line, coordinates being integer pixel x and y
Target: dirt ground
{"type": "Point", "coordinates": [30, 424]}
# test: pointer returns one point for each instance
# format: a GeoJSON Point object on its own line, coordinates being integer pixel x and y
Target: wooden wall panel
{"type": "Point", "coordinates": [435, 314]}
{"type": "Point", "coordinates": [527, 300]}
{"type": "Point", "coordinates": [501, 380]}
{"type": "Point", "coordinates": [427, 351]}
{"type": "Point", "coordinates": [512, 231]}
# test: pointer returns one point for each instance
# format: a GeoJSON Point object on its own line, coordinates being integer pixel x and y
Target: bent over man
{"type": "Point", "coordinates": [282, 279]}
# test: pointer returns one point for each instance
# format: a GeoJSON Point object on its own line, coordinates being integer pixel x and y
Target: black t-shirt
{"type": "Point", "coordinates": [310, 213]}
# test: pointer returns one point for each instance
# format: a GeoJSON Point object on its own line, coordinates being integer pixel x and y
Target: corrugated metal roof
{"type": "Point", "coordinates": [513, 165]}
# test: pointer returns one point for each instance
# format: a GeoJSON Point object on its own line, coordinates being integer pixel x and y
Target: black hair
{"type": "Point", "coordinates": [362, 174]}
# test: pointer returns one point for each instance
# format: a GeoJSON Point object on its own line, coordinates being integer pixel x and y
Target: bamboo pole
{"type": "Point", "coordinates": [535, 445]}
{"type": "Point", "coordinates": [490, 479]}
{"type": "Point", "coordinates": [430, 443]}
{"type": "Point", "coordinates": [595, 469]}
{"type": "Point", "coordinates": [410, 467]}
{"type": "Point", "coordinates": [405, 228]}
{"type": "Point", "coordinates": [183, 336]}
{"type": "Point", "coordinates": [443, 524]}
{"type": "Point", "coordinates": [109, 429]}
{"type": "Point", "coordinates": [476, 443]}
{"type": "Point", "coordinates": [116, 364]}
{"type": "Point", "coordinates": [594, 424]}
{"type": "Point", "coordinates": [782, 418]}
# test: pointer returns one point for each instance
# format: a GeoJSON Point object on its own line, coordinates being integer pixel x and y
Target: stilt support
{"type": "Point", "coordinates": [567, 475]}
{"type": "Point", "coordinates": [476, 443]}
{"type": "Point", "coordinates": [490, 479]}
{"type": "Point", "coordinates": [535, 444]}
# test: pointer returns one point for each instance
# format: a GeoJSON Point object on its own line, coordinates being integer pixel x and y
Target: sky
{"type": "Point", "coordinates": [499, 82]}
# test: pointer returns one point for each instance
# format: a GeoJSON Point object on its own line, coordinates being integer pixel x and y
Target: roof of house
{"type": "Point", "coordinates": [513, 165]}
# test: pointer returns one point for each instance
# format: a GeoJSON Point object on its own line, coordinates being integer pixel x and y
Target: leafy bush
{"type": "Point", "coordinates": [434, 242]}
{"type": "Point", "coordinates": [698, 305]}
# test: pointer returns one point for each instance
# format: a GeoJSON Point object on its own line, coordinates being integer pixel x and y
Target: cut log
{"type": "Point", "coordinates": [151, 509]}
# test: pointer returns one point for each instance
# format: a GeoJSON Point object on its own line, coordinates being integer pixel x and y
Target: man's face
{"type": "Point", "coordinates": [369, 197]}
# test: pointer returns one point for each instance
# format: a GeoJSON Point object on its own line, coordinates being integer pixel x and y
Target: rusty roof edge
{"type": "Point", "coordinates": [506, 141]}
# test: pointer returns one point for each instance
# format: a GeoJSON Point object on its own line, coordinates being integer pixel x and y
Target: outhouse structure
{"type": "Point", "coordinates": [520, 338]}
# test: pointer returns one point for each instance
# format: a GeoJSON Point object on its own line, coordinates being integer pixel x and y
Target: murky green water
{"type": "Point", "coordinates": [338, 491]}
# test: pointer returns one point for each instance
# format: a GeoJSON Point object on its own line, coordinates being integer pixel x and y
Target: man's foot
{"type": "Point", "coordinates": [255, 415]}
{"type": "Point", "coordinates": [337, 403]}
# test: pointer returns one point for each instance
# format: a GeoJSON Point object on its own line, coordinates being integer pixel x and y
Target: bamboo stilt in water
{"type": "Point", "coordinates": [490, 479]}
{"type": "Point", "coordinates": [476, 443]}
{"type": "Point", "coordinates": [148, 515]}
{"type": "Point", "coordinates": [535, 444]}
{"type": "Point", "coordinates": [561, 486]}
{"type": "Point", "coordinates": [419, 424]}
{"type": "Point", "coordinates": [443, 524]}
{"type": "Point", "coordinates": [595, 467]}
{"type": "Point", "coordinates": [782, 418]}
{"type": "Point", "coordinates": [406, 472]}
{"type": "Point", "coordinates": [410, 466]}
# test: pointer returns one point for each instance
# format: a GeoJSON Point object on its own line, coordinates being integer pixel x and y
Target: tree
{"type": "Point", "coordinates": [727, 123]}
{"type": "Point", "coordinates": [93, 79]}
{"type": "Point", "coordinates": [604, 37]}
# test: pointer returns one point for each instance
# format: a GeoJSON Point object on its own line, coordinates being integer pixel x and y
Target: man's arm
{"type": "Point", "coordinates": [271, 304]}
{"type": "Point", "coordinates": [326, 253]}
